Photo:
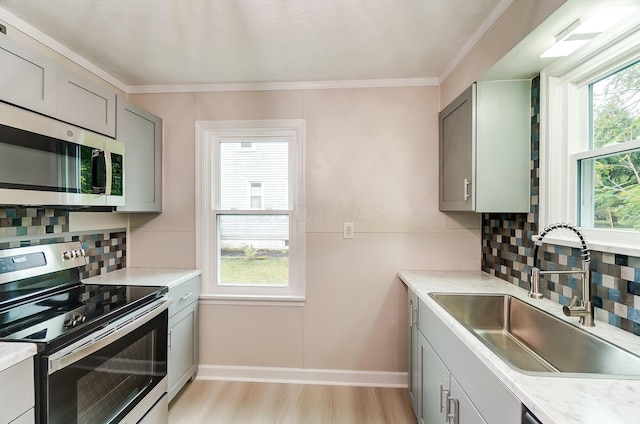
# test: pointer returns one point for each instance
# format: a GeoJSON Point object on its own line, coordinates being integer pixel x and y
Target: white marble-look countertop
{"type": "Point", "coordinates": [559, 400]}
{"type": "Point", "coordinates": [168, 277]}
{"type": "Point", "coordinates": [13, 353]}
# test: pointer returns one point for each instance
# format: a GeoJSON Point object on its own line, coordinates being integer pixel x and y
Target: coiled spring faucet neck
{"type": "Point", "coordinates": [583, 309]}
{"type": "Point", "coordinates": [584, 249]}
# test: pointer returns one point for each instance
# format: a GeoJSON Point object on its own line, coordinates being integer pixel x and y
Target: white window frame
{"type": "Point", "coordinates": [564, 135]}
{"type": "Point", "coordinates": [209, 134]}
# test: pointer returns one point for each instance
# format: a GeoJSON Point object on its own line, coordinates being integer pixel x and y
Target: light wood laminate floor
{"type": "Point", "coordinates": [223, 402]}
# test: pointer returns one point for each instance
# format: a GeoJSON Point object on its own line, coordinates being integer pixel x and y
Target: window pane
{"type": "Point", "coordinates": [254, 250]}
{"type": "Point", "coordinates": [611, 191]}
{"type": "Point", "coordinates": [616, 107]}
{"type": "Point", "coordinates": [267, 162]}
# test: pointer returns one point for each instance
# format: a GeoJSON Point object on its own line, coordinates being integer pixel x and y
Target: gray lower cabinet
{"type": "Point", "coordinates": [17, 393]}
{"type": "Point", "coordinates": [85, 104]}
{"type": "Point", "coordinates": [141, 132]}
{"type": "Point", "coordinates": [413, 376]}
{"type": "Point", "coordinates": [183, 335]}
{"type": "Point", "coordinates": [454, 380]}
{"type": "Point", "coordinates": [442, 398]}
{"type": "Point", "coordinates": [27, 79]}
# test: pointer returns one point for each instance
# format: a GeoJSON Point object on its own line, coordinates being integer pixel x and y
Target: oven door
{"type": "Point", "coordinates": [102, 378]}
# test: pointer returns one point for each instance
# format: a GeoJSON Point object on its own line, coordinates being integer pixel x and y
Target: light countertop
{"type": "Point", "coordinates": [13, 353]}
{"type": "Point", "coordinates": [559, 400]}
{"type": "Point", "coordinates": [168, 277]}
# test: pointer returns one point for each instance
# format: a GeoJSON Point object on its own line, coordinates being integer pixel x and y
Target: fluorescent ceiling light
{"type": "Point", "coordinates": [580, 32]}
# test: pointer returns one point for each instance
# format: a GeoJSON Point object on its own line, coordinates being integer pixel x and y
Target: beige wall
{"type": "Point", "coordinates": [520, 18]}
{"type": "Point", "coordinates": [372, 159]}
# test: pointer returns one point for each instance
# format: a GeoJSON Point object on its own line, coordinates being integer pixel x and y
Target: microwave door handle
{"type": "Point", "coordinates": [97, 166]}
{"type": "Point", "coordinates": [109, 172]}
{"type": "Point", "coordinates": [106, 336]}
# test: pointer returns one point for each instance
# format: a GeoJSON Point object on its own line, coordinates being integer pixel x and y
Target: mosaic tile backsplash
{"type": "Point", "coordinates": [106, 250]}
{"type": "Point", "coordinates": [507, 253]}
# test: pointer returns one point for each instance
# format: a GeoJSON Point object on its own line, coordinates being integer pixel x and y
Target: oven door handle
{"type": "Point", "coordinates": [103, 337]}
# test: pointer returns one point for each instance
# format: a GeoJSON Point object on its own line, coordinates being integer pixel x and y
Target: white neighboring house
{"type": "Point", "coordinates": [254, 176]}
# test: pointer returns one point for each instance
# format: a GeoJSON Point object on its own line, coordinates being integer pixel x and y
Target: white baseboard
{"type": "Point", "coordinates": [303, 376]}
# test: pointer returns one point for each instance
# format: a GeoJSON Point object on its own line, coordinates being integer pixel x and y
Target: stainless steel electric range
{"type": "Point", "coordinates": [102, 350]}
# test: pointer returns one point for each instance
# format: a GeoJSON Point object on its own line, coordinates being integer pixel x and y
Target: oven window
{"type": "Point", "coordinates": [104, 386]}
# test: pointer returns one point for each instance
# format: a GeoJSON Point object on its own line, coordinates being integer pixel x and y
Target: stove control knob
{"type": "Point", "coordinates": [67, 254]}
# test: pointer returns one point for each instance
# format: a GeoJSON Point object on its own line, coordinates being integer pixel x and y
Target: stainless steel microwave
{"type": "Point", "coordinates": [47, 162]}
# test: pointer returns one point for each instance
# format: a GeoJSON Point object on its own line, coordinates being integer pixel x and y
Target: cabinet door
{"type": "Point", "coordinates": [413, 350]}
{"type": "Point", "coordinates": [457, 158]}
{"type": "Point", "coordinates": [434, 384]}
{"type": "Point", "coordinates": [83, 103]}
{"type": "Point", "coordinates": [183, 347]}
{"type": "Point", "coordinates": [461, 410]}
{"type": "Point", "coordinates": [16, 390]}
{"type": "Point", "coordinates": [141, 131]}
{"type": "Point", "coordinates": [26, 78]}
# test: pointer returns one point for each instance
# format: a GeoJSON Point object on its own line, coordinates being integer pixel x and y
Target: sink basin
{"type": "Point", "coordinates": [534, 341]}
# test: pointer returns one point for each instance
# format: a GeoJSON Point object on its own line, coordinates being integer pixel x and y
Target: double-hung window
{"type": "Point", "coordinates": [590, 143]}
{"type": "Point", "coordinates": [251, 223]}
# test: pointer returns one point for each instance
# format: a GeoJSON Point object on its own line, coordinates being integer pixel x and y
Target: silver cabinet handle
{"type": "Point", "coordinates": [185, 297]}
{"type": "Point", "coordinates": [456, 410]}
{"type": "Point", "coordinates": [467, 183]}
{"type": "Point", "coordinates": [444, 394]}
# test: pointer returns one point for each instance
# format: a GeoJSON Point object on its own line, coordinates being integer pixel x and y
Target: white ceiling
{"type": "Point", "coordinates": [171, 42]}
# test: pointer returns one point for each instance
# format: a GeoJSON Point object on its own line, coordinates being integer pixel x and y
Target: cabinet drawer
{"type": "Point", "coordinates": [16, 390]}
{"type": "Point", "coordinates": [184, 294]}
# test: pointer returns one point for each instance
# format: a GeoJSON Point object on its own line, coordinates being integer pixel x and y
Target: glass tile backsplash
{"type": "Point", "coordinates": [106, 250]}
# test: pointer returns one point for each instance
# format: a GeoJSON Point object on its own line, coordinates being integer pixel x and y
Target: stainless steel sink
{"type": "Point", "coordinates": [531, 340]}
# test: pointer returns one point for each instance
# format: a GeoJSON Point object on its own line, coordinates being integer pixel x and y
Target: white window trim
{"type": "Point", "coordinates": [562, 119]}
{"type": "Point", "coordinates": [206, 134]}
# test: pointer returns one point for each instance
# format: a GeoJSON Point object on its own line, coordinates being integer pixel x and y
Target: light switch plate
{"type": "Point", "coordinates": [347, 230]}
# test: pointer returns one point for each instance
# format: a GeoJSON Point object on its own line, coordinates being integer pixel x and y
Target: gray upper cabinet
{"type": "Point", "coordinates": [85, 104]}
{"type": "Point", "coordinates": [485, 148]}
{"type": "Point", "coordinates": [141, 132]}
{"type": "Point", "coordinates": [27, 79]}
{"type": "Point", "coordinates": [31, 81]}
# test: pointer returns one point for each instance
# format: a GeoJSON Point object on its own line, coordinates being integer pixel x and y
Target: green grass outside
{"type": "Point", "coordinates": [272, 271]}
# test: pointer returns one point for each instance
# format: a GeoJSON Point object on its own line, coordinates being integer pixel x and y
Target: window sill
{"type": "Point", "coordinates": [625, 245]}
{"type": "Point", "coordinates": [244, 300]}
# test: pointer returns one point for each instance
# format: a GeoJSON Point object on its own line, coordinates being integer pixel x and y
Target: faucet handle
{"type": "Point", "coordinates": [573, 302]}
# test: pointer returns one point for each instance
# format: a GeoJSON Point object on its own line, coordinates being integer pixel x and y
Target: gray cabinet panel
{"type": "Point", "coordinates": [141, 131]}
{"type": "Point", "coordinates": [27, 79]}
{"type": "Point", "coordinates": [485, 392]}
{"type": "Point", "coordinates": [485, 148]}
{"type": "Point", "coordinates": [434, 384]}
{"type": "Point", "coordinates": [183, 335]}
{"type": "Point", "coordinates": [16, 391]}
{"type": "Point", "coordinates": [85, 104]}
{"type": "Point", "coordinates": [182, 348]}
{"type": "Point", "coordinates": [413, 372]}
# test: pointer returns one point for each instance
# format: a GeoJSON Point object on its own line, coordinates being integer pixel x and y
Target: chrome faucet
{"type": "Point", "coordinates": [583, 308]}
